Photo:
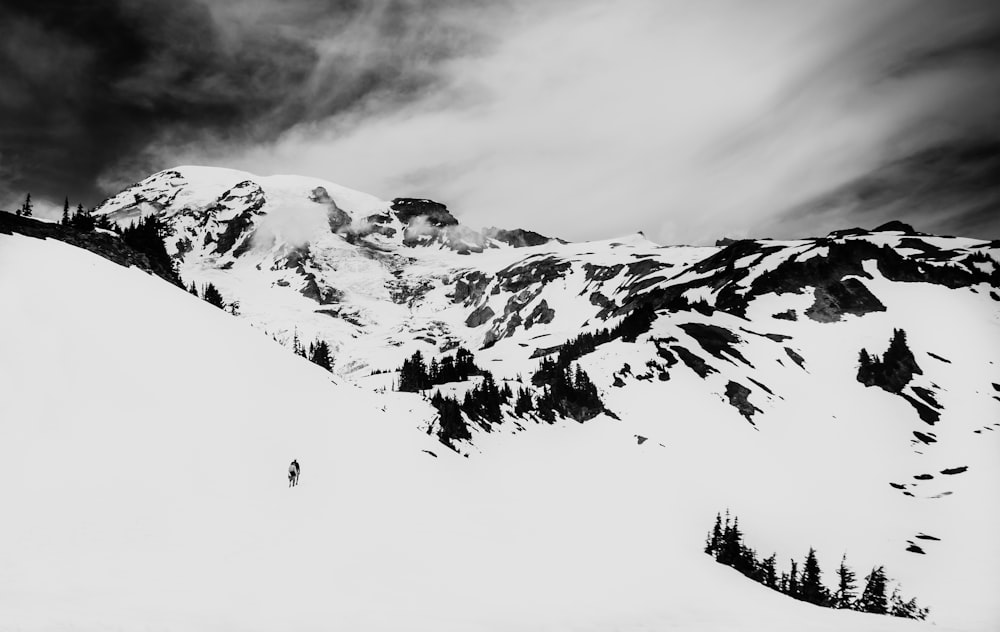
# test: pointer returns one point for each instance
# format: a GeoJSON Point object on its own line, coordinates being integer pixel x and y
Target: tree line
{"type": "Point", "coordinates": [804, 582]}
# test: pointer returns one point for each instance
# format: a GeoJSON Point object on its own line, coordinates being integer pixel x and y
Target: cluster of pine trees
{"type": "Point", "coordinates": [566, 391]}
{"type": "Point", "coordinates": [893, 370]}
{"type": "Point", "coordinates": [317, 352]}
{"type": "Point", "coordinates": [146, 236]}
{"type": "Point", "coordinates": [725, 544]}
{"type": "Point", "coordinates": [27, 209]}
{"type": "Point", "coordinates": [635, 323]}
{"type": "Point", "coordinates": [481, 403]}
{"type": "Point", "coordinates": [210, 294]}
{"type": "Point", "coordinates": [416, 375]}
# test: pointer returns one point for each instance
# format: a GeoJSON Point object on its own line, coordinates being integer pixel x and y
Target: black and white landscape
{"type": "Point", "coordinates": [530, 414]}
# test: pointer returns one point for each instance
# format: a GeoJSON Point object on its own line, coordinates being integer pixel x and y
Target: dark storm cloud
{"type": "Point", "coordinates": [936, 164]}
{"type": "Point", "coordinates": [90, 91]}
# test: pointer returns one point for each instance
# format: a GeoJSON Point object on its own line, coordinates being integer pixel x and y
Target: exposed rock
{"type": "Point", "coordinates": [470, 287]}
{"type": "Point", "coordinates": [531, 271]}
{"type": "Point", "coordinates": [598, 299]}
{"type": "Point", "coordinates": [480, 316]}
{"type": "Point", "coordinates": [738, 398]}
{"type": "Point", "coordinates": [796, 358]}
{"type": "Point", "coordinates": [693, 362]}
{"type": "Point", "coordinates": [896, 225]}
{"type": "Point", "coordinates": [716, 340]}
{"type": "Point", "coordinates": [320, 293]}
{"type": "Point", "coordinates": [837, 298]}
{"type": "Point", "coordinates": [788, 314]}
{"type": "Point", "coordinates": [518, 237]}
{"type": "Point", "coordinates": [437, 214]}
{"type": "Point", "coordinates": [108, 246]}
{"type": "Point", "coordinates": [541, 315]}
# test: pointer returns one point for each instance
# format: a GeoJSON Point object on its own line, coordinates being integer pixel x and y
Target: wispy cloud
{"type": "Point", "coordinates": [688, 120]}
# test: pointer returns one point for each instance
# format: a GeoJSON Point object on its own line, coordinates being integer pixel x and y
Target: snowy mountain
{"type": "Point", "coordinates": [766, 377]}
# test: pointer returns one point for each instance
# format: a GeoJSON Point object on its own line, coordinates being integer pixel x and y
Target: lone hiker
{"type": "Point", "coordinates": [293, 474]}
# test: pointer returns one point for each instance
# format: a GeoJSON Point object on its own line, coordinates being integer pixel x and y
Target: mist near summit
{"type": "Point", "coordinates": [687, 120]}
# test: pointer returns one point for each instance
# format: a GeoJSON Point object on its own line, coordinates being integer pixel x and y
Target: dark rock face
{"type": "Point", "coordinates": [480, 316]}
{"type": "Point", "coordinates": [531, 271]}
{"type": "Point", "coordinates": [241, 225]}
{"type": "Point", "coordinates": [693, 362]}
{"type": "Point", "coordinates": [796, 358]}
{"type": "Point", "coordinates": [898, 226]}
{"type": "Point", "coordinates": [321, 294]}
{"type": "Point", "coordinates": [602, 273]}
{"type": "Point", "coordinates": [470, 287]}
{"type": "Point", "coordinates": [718, 341]}
{"type": "Point", "coordinates": [837, 298]}
{"type": "Point", "coordinates": [437, 214]}
{"type": "Point", "coordinates": [542, 314]}
{"type": "Point", "coordinates": [518, 237]}
{"type": "Point", "coordinates": [738, 395]}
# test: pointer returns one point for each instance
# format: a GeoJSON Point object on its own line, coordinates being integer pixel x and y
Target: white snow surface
{"type": "Point", "coordinates": [146, 435]}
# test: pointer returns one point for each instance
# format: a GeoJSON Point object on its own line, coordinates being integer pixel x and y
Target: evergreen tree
{"type": "Point", "coordinates": [729, 553]}
{"type": "Point", "coordinates": [212, 296]}
{"type": "Point", "coordinates": [413, 374]}
{"type": "Point", "coordinates": [27, 208]}
{"type": "Point", "coordinates": [451, 425]}
{"type": "Point", "coordinates": [769, 571]}
{"type": "Point", "coordinates": [297, 344]}
{"type": "Point", "coordinates": [714, 542]}
{"type": "Point", "coordinates": [811, 588]}
{"type": "Point", "coordinates": [319, 353]}
{"type": "Point", "coordinates": [873, 597]}
{"type": "Point", "coordinates": [83, 221]}
{"type": "Point", "coordinates": [844, 597]}
{"type": "Point", "coordinates": [906, 609]}
{"type": "Point", "coordinates": [65, 215]}
{"type": "Point", "coordinates": [523, 403]}
{"type": "Point", "coordinates": [793, 580]}
{"type": "Point", "coordinates": [193, 289]}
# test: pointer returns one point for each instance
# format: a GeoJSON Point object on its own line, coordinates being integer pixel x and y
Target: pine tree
{"type": "Point", "coordinates": [793, 580]}
{"type": "Point", "coordinates": [65, 215]}
{"type": "Point", "coordinates": [714, 542]}
{"type": "Point", "coordinates": [769, 571]}
{"type": "Point", "coordinates": [523, 403]}
{"type": "Point", "coordinates": [320, 354]}
{"type": "Point", "coordinates": [873, 597]}
{"type": "Point", "coordinates": [906, 609]}
{"type": "Point", "coordinates": [213, 297]}
{"type": "Point", "coordinates": [193, 289]}
{"type": "Point", "coordinates": [844, 597]}
{"type": "Point", "coordinates": [812, 589]}
{"type": "Point", "coordinates": [27, 208]}
{"type": "Point", "coordinates": [732, 538]}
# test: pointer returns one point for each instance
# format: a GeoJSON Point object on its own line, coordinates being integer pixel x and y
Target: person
{"type": "Point", "coordinates": [293, 473]}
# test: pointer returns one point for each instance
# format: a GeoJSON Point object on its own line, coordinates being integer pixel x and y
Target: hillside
{"type": "Point", "coordinates": [728, 377]}
{"type": "Point", "coordinates": [145, 440]}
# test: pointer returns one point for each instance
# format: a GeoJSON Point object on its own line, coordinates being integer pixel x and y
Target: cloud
{"type": "Point", "coordinates": [688, 120]}
{"type": "Point", "coordinates": [94, 95]}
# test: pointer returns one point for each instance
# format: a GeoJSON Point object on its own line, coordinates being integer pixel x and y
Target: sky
{"type": "Point", "coordinates": [690, 120]}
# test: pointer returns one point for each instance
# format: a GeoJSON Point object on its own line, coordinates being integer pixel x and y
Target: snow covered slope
{"type": "Point", "coordinates": [736, 385]}
{"type": "Point", "coordinates": [145, 436]}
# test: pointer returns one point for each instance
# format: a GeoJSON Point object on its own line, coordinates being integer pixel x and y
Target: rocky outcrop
{"type": "Point", "coordinates": [435, 213]}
